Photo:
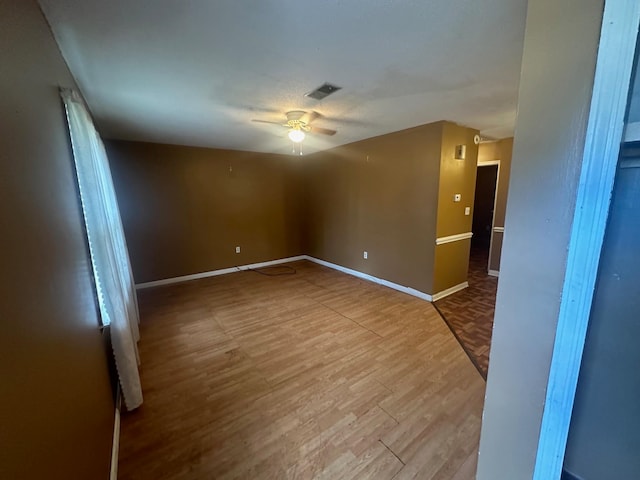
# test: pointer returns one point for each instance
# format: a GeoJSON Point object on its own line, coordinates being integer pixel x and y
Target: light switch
{"type": "Point", "coordinates": [467, 210]}
{"type": "Point", "coordinates": [457, 197]}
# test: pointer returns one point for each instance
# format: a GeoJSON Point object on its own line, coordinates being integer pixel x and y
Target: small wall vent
{"type": "Point", "coordinates": [323, 91]}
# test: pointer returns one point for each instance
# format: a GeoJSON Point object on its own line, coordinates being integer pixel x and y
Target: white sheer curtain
{"type": "Point", "coordinates": [111, 266]}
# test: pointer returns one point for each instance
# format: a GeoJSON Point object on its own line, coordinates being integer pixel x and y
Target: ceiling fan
{"type": "Point", "coordinates": [299, 124]}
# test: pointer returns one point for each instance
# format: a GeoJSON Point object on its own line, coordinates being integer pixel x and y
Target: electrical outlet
{"type": "Point", "coordinates": [365, 255]}
{"type": "Point", "coordinates": [467, 210]}
{"type": "Point", "coordinates": [237, 249]}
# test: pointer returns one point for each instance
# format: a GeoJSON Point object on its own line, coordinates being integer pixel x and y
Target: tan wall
{"type": "Point", "coordinates": [488, 151]}
{"type": "Point", "coordinates": [500, 150]}
{"type": "Point", "coordinates": [505, 148]}
{"type": "Point", "coordinates": [451, 265]}
{"type": "Point", "coordinates": [496, 251]}
{"type": "Point", "coordinates": [56, 401]}
{"type": "Point", "coordinates": [456, 176]}
{"type": "Point", "coordinates": [184, 211]}
{"type": "Point", "coordinates": [378, 195]}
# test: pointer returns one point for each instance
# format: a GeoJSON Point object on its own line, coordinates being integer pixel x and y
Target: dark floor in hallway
{"type": "Point", "coordinates": [469, 313]}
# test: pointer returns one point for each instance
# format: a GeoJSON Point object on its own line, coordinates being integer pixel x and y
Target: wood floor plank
{"type": "Point", "coordinates": [315, 375]}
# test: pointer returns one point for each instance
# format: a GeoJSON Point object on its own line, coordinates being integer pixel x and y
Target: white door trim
{"type": "Point", "coordinates": [616, 50]}
{"type": "Point", "coordinates": [486, 163]}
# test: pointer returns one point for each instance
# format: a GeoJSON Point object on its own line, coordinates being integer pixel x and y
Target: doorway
{"type": "Point", "coordinates": [469, 313]}
{"type": "Point", "coordinates": [483, 213]}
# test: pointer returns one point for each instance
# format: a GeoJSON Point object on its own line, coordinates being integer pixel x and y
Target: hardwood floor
{"type": "Point", "coordinates": [312, 375]}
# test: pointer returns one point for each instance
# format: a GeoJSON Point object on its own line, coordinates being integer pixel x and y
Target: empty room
{"type": "Point", "coordinates": [319, 240]}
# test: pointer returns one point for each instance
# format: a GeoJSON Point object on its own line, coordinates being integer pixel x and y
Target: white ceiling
{"type": "Point", "coordinates": [196, 72]}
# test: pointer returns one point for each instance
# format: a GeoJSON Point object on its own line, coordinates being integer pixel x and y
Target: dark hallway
{"type": "Point", "coordinates": [483, 206]}
{"type": "Point", "coordinates": [469, 313]}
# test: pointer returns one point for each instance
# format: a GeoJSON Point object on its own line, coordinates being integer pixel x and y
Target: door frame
{"type": "Point", "coordinates": [617, 46]}
{"type": "Point", "coordinates": [489, 163]}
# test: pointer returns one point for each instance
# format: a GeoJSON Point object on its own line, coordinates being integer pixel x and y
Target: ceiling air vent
{"type": "Point", "coordinates": [322, 91]}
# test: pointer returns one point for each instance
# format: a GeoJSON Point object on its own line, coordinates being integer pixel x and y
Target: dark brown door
{"type": "Point", "coordinates": [483, 205]}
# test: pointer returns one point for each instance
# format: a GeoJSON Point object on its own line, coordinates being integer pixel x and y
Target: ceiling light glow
{"type": "Point", "coordinates": [296, 136]}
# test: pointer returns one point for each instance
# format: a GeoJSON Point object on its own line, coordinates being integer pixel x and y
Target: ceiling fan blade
{"type": "Point", "coordinates": [323, 131]}
{"type": "Point", "coordinates": [310, 116]}
{"type": "Point", "coordinates": [268, 121]}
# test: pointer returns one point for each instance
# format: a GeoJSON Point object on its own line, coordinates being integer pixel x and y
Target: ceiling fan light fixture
{"type": "Point", "coordinates": [296, 136]}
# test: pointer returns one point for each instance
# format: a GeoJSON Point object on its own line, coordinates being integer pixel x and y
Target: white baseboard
{"type": "Point", "coordinates": [213, 273]}
{"type": "Point", "coordinates": [224, 271]}
{"type": "Point", "coordinates": [494, 273]}
{"type": "Point", "coordinates": [371, 278]}
{"type": "Point", "coordinates": [449, 291]}
{"type": "Point", "coordinates": [115, 448]}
